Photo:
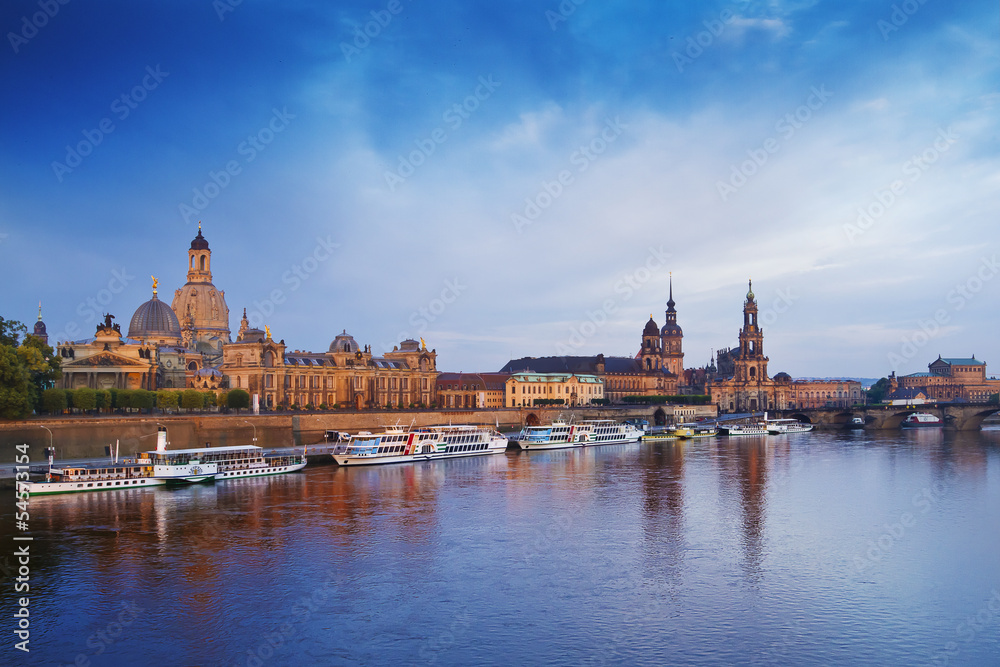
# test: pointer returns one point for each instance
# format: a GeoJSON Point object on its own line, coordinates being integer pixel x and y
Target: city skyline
{"type": "Point", "coordinates": [518, 180]}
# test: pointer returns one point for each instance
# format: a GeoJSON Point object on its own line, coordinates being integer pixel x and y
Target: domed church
{"type": "Point", "coordinates": [199, 307]}
{"type": "Point", "coordinates": [174, 346]}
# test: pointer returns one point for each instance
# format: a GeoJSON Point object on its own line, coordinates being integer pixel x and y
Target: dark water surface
{"type": "Point", "coordinates": [811, 549]}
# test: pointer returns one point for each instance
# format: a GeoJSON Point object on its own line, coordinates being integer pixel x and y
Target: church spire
{"type": "Point", "coordinates": [39, 311]}
{"type": "Point", "coordinates": [670, 302]}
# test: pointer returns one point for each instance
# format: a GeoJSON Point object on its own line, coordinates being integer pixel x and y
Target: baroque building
{"type": "Point", "coordinates": [656, 370]}
{"type": "Point", "coordinates": [524, 389]}
{"type": "Point", "coordinates": [201, 308]}
{"type": "Point", "coordinates": [950, 379]}
{"type": "Point", "coordinates": [741, 382]}
{"type": "Point", "coordinates": [177, 346]}
{"type": "Point", "coordinates": [346, 374]}
{"type": "Point", "coordinates": [107, 361]}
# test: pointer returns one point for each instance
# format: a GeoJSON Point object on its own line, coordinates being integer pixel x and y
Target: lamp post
{"type": "Point", "coordinates": [254, 427]}
{"type": "Point", "coordinates": [52, 447]}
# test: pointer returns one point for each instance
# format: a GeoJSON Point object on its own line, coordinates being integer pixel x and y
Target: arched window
{"type": "Point", "coordinates": [753, 372]}
{"type": "Point", "coordinates": [203, 262]}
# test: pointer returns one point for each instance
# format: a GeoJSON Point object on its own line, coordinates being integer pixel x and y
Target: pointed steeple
{"type": "Point", "coordinates": [39, 311]}
{"type": "Point", "coordinates": [670, 302]}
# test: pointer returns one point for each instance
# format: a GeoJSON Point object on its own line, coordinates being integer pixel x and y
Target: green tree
{"type": "Point", "coordinates": [143, 399]}
{"type": "Point", "coordinates": [15, 387]}
{"type": "Point", "coordinates": [238, 399]}
{"type": "Point", "coordinates": [211, 400]}
{"type": "Point", "coordinates": [103, 399]}
{"type": "Point", "coordinates": [166, 400]}
{"type": "Point", "coordinates": [121, 399]}
{"type": "Point", "coordinates": [192, 399]}
{"type": "Point", "coordinates": [85, 399]}
{"type": "Point", "coordinates": [44, 367]}
{"type": "Point", "coordinates": [11, 332]}
{"type": "Point", "coordinates": [54, 401]}
{"type": "Point", "coordinates": [15, 382]}
{"type": "Point", "coordinates": [222, 399]}
{"type": "Point", "coordinates": [878, 391]}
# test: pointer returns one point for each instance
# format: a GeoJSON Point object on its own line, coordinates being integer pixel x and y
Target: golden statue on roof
{"type": "Point", "coordinates": [267, 332]}
{"type": "Point", "coordinates": [155, 283]}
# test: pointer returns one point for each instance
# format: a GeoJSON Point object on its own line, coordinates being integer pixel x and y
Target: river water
{"type": "Point", "coordinates": [844, 548]}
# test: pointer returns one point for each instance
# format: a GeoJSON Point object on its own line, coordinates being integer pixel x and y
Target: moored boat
{"type": "Point", "coordinates": [557, 435]}
{"type": "Point", "coordinates": [396, 445]}
{"type": "Point", "coordinates": [609, 432]}
{"type": "Point", "coordinates": [783, 426]}
{"type": "Point", "coordinates": [922, 420]}
{"type": "Point", "coordinates": [218, 463]}
{"type": "Point", "coordinates": [78, 479]}
{"type": "Point", "coordinates": [659, 436]}
{"type": "Point", "coordinates": [113, 475]}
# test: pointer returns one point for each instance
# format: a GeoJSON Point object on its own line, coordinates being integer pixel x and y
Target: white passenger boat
{"type": "Point", "coordinates": [609, 432]}
{"type": "Point", "coordinates": [114, 475]}
{"type": "Point", "coordinates": [220, 463]}
{"type": "Point", "coordinates": [78, 479]}
{"type": "Point", "coordinates": [743, 429]}
{"type": "Point", "coordinates": [782, 426]}
{"type": "Point", "coordinates": [396, 445]}
{"type": "Point", "coordinates": [557, 435]}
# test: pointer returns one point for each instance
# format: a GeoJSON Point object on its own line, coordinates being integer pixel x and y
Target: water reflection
{"type": "Point", "coordinates": [743, 478]}
{"type": "Point", "coordinates": [662, 470]}
{"type": "Point", "coordinates": [706, 551]}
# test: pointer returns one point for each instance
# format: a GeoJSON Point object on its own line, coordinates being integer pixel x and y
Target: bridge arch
{"type": "Point", "coordinates": [531, 419]}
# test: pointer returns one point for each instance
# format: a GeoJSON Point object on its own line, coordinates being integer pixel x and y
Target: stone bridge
{"type": "Point", "coordinates": [956, 416]}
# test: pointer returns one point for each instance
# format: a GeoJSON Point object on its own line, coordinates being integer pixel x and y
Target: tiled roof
{"type": "Point", "coordinates": [956, 361]}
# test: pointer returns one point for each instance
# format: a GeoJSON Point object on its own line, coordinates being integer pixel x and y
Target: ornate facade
{"type": "Point", "coordinates": [523, 389]}
{"type": "Point", "coordinates": [655, 371]}
{"type": "Point", "coordinates": [346, 375]}
{"type": "Point", "coordinates": [950, 379]}
{"type": "Point", "coordinates": [107, 362]}
{"type": "Point", "coordinates": [179, 347]}
{"type": "Point", "coordinates": [200, 308]}
{"type": "Point", "coordinates": [741, 382]}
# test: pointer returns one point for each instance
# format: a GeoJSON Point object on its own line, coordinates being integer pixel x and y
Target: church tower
{"type": "Point", "coordinates": [672, 338]}
{"type": "Point", "coordinates": [650, 354]}
{"type": "Point", "coordinates": [751, 364]}
{"type": "Point", "coordinates": [39, 330]}
{"type": "Point", "coordinates": [199, 306]}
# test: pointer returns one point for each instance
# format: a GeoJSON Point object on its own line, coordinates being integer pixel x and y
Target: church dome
{"type": "Point", "coordinates": [206, 308]}
{"type": "Point", "coordinates": [344, 343]}
{"type": "Point", "coordinates": [154, 320]}
{"type": "Point", "coordinates": [782, 377]}
{"type": "Point", "coordinates": [199, 242]}
{"type": "Point", "coordinates": [650, 328]}
{"type": "Point", "coordinates": [671, 329]}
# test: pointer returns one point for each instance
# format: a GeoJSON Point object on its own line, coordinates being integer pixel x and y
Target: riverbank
{"type": "Point", "coordinates": [79, 437]}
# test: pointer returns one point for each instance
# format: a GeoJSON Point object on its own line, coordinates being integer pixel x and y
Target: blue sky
{"type": "Point", "coordinates": [515, 178]}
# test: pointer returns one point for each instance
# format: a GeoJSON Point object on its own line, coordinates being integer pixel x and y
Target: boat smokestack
{"type": "Point", "coordinates": [161, 439]}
